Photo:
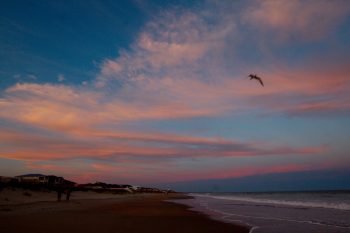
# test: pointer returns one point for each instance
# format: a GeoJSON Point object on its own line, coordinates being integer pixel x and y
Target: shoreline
{"type": "Point", "coordinates": [138, 213]}
{"type": "Point", "coordinates": [272, 217]}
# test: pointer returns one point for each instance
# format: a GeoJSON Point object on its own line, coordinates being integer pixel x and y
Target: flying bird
{"type": "Point", "coordinates": [254, 76]}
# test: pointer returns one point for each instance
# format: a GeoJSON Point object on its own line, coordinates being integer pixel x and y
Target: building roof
{"type": "Point", "coordinates": [31, 175]}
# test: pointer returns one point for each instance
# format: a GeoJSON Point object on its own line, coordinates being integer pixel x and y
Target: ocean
{"type": "Point", "coordinates": [282, 212]}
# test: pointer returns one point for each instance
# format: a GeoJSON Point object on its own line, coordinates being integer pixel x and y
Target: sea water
{"type": "Point", "coordinates": [282, 212]}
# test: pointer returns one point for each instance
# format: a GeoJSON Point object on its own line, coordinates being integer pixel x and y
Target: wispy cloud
{"type": "Point", "coordinates": [107, 146]}
{"type": "Point", "coordinates": [181, 65]}
{"type": "Point", "coordinates": [293, 20]}
{"type": "Point", "coordinates": [174, 70]}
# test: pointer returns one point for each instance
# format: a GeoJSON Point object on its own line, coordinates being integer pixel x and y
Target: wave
{"type": "Point", "coordinates": [273, 202]}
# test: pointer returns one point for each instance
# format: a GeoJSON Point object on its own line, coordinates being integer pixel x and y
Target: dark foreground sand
{"type": "Point", "coordinates": [128, 214]}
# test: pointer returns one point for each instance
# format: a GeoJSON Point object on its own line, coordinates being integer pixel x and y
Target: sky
{"type": "Point", "coordinates": [157, 92]}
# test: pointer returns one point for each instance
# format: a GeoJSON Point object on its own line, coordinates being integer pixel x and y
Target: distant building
{"type": "Point", "coordinates": [7, 179]}
{"type": "Point", "coordinates": [55, 180]}
{"type": "Point", "coordinates": [32, 178]}
{"type": "Point", "coordinates": [43, 179]}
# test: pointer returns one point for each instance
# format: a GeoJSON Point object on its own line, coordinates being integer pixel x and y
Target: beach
{"type": "Point", "coordinates": [94, 212]}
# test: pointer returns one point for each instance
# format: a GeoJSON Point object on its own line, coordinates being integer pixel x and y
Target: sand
{"type": "Point", "coordinates": [11, 196]}
{"type": "Point", "coordinates": [133, 213]}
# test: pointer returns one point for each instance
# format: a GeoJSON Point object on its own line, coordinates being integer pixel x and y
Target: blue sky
{"type": "Point", "coordinates": [46, 38]}
{"type": "Point", "coordinates": [148, 92]}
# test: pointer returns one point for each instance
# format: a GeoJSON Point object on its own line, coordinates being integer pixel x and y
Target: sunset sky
{"type": "Point", "coordinates": [151, 92]}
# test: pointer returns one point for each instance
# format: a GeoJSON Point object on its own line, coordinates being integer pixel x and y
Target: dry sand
{"type": "Point", "coordinates": [10, 196]}
{"type": "Point", "coordinates": [92, 212]}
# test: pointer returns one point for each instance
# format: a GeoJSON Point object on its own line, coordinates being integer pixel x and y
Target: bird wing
{"type": "Point", "coordinates": [253, 76]}
{"type": "Point", "coordinates": [259, 79]}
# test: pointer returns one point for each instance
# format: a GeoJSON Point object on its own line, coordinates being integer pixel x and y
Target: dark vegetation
{"type": "Point", "coordinates": [99, 187]}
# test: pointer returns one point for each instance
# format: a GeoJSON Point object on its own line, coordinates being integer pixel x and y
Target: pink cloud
{"type": "Point", "coordinates": [306, 19]}
{"type": "Point", "coordinates": [324, 88]}
{"type": "Point", "coordinates": [135, 171]}
{"type": "Point", "coordinates": [172, 40]}
{"type": "Point", "coordinates": [137, 175]}
{"type": "Point", "coordinates": [176, 72]}
{"type": "Point", "coordinates": [242, 172]}
{"type": "Point", "coordinates": [180, 52]}
{"type": "Point", "coordinates": [126, 172]}
{"type": "Point", "coordinates": [61, 107]}
{"type": "Point", "coordinates": [109, 145]}
{"type": "Point", "coordinates": [226, 173]}
{"type": "Point", "coordinates": [330, 107]}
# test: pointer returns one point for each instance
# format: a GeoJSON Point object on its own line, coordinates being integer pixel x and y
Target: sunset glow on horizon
{"type": "Point", "coordinates": [153, 92]}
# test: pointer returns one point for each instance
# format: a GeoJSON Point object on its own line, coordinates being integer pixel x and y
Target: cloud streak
{"type": "Point", "coordinates": [152, 173]}
{"type": "Point", "coordinates": [111, 145]}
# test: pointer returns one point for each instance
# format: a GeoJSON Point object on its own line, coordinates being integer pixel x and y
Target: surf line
{"type": "Point", "coordinates": [279, 219]}
{"type": "Point", "coordinates": [251, 227]}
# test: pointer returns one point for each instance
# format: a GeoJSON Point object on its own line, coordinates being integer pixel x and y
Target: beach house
{"type": "Point", "coordinates": [32, 178]}
{"type": "Point", "coordinates": [50, 180]}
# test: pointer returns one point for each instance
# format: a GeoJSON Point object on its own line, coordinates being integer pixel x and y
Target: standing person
{"type": "Point", "coordinates": [59, 194]}
{"type": "Point", "coordinates": [69, 190]}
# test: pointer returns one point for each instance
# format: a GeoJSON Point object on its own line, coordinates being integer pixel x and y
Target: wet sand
{"type": "Point", "coordinates": [126, 213]}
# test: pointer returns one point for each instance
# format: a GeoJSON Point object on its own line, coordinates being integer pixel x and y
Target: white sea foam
{"type": "Point", "coordinates": [287, 212]}
{"type": "Point", "coordinates": [330, 201]}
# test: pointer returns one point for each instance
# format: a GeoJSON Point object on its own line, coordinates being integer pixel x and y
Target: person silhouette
{"type": "Point", "coordinates": [69, 191]}
{"type": "Point", "coordinates": [59, 194]}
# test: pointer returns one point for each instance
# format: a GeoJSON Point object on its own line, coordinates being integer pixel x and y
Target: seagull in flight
{"type": "Point", "coordinates": [254, 76]}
